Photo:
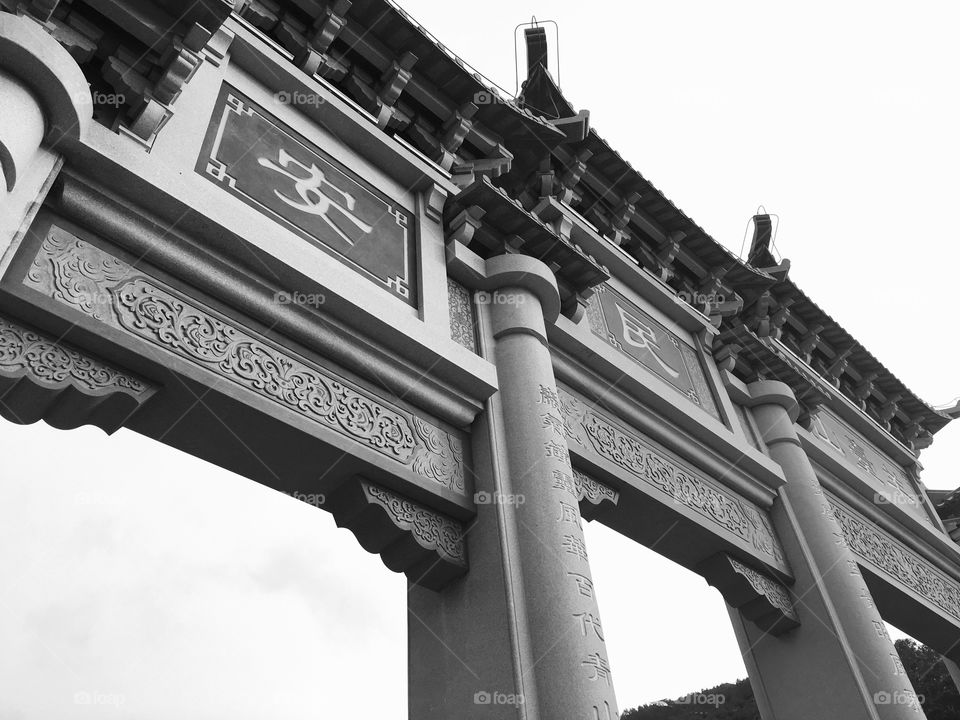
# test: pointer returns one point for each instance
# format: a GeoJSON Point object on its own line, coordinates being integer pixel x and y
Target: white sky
{"type": "Point", "coordinates": [148, 579]}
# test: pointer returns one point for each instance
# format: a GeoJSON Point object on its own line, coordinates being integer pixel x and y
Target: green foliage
{"type": "Point", "coordinates": [930, 678]}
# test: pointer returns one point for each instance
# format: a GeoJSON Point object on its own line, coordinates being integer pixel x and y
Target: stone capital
{"type": "Point", "coordinates": [502, 271]}
{"type": "Point", "coordinates": [34, 58]}
{"type": "Point", "coordinates": [775, 409]}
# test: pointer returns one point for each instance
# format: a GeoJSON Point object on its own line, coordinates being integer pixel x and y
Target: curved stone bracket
{"type": "Point", "coordinates": [44, 379]}
{"type": "Point", "coordinates": [410, 538]}
{"type": "Point", "coordinates": [592, 495]}
{"type": "Point", "coordinates": [760, 598]}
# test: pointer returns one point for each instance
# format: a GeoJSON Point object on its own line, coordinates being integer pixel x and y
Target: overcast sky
{"type": "Point", "coordinates": [152, 585]}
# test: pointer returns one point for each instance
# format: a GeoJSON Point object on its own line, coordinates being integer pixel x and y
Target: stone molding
{"type": "Point", "coordinates": [42, 378]}
{"type": "Point", "coordinates": [761, 599]}
{"type": "Point", "coordinates": [895, 560]}
{"type": "Point", "coordinates": [88, 279]}
{"type": "Point", "coordinates": [590, 432]}
{"type": "Point", "coordinates": [426, 546]}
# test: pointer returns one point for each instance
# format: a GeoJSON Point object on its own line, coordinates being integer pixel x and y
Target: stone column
{"type": "Point", "coordinates": [530, 626]}
{"type": "Point", "coordinates": [571, 668]}
{"type": "Point", "coordinates": [840, 662]}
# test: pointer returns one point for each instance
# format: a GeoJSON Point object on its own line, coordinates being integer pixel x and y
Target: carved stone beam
{"type": "Point", "coordinates": [835, 369]}
{"type": "Point", "coordinates": [329, 24]}
{"type": "Point", "coordinates": [864, 389]}
{"type": "Point", "coordinates": [888, 410]}
{"type": "Point", "coordinates": [762, 600]}
{"type": "Point", "coordinates": [458, 126]}
{"type": "Point", "coordinates": [410, 538]}
{"type": "Point", "coordinates": [571, 178]}
{"type": "Point", "coordinates": [808, 343]}
{"type": "Point", "coordinates": [42, 378]}
{"type": "Point", "coordinates": [622, 216]}
{"type": "Point", "coordinates": [393, 82]}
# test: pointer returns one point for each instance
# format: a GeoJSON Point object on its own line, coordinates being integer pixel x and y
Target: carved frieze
{"type": "Point", "coordinates": [461, 315]}
{"type": "Point", "coordinates": [426, 546]}
{"type": "Point", "coordinates": [593, 491]}
{"type": "Point", "coordinates": [633, 332]}
{"type": "Point", "coordinates": [760, 598]}
{"type": "Point", "coordinates": [895, 560]}
{"type": "Point", "coordinates": [89, 279]}
{"type": "Point", "coordinates": [591, 432]}
{"type": "Point", "coordinates": [43, 378]}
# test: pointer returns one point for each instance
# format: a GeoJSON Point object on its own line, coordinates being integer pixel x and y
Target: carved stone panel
{"type": "Point", "coordinates": [637, 335]}
{"type": "Point", "coordinates": [462, 326]}
{"type": "Point", "coordinates": [42, 378]}
{"type": "Point", "coordinates": [762, 600]}
{"type": "Point", "coordinates": [85, 277]}
{"type": "Point", "coordinates": [593, 434]}
{"type": "Point", "coordinates": [891, 484]}
{"type": "Point", "coordinates": [288, 178]}
{"type": "Point", "coordinates": [896, 561]}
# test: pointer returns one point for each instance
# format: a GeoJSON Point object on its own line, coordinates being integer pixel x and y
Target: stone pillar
{"type": "Point", "coordinates": [571, 668]}
{"type": "Point", "coordinates": [840, 662]}
{"type": "Point", "coordinates": [524, 621]}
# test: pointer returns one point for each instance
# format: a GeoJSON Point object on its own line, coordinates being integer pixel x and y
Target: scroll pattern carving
{"type": "Point", "coordinates": [461, 315]}
{"type": "Point", "coordinates": [431, 530]}
{"type": "Point", "coordinates": [901, 564]}
{"type": "Point", "coordinates": [25, 352]}
{"type": "Point", "coordinates": [775, 593]}
{"type": "Point", "coordinates": [79, 274]}
{"type": "Point", "coordinates": [629, 451]}
{"type": "Point", "coordinates": [593, 491]}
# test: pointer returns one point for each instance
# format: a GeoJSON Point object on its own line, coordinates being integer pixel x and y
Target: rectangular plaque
{"type": "Point", "coordinates": [887, 478]}
{"type": "Point", "coordinates": [637, 335]}
{"type": "Point", "coordinates": [270, 167]}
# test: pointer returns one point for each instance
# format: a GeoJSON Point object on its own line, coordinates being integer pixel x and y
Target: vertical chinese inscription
{"type": "Point", "coordinates": [573, 544]}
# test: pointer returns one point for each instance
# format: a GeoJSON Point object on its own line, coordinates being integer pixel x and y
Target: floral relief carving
{"type": "Point", "coordinates": [898, 562]}
{"type": "Point", "coordinates": [775, 593]}
{"type": "Point", "coordinates": [430, 529]}
{"type": "Point", "coordinates": [82, 275]}
{"type": "Point", "coordinates": [26, 352]}
{"type": "Point", "coordinates": [721, 507]}
{"type": "Point", "coordinates": [592, 490]}
{"type": "Point", "coordinates": [461, 315]}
